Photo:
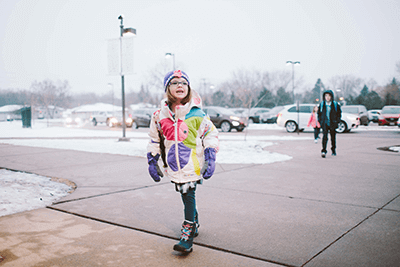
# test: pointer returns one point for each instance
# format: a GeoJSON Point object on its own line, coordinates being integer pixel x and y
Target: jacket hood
{"type": "Point", "coordinates": [181, 111]}
{"type": "Point", "coordinates": [328, 92]}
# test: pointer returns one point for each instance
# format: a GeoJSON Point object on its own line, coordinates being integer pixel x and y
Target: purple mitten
{"type": "Point", "coordinates": [209, 163]}
{"type": "Point", "coordinates": [154, 169]}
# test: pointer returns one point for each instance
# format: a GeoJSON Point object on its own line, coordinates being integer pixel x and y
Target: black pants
{"type": "Point", "coordinates": [316, 132]}
{"type": "Point", "coordinates": [332, 131]}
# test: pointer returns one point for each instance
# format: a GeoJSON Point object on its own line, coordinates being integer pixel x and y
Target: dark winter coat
{"type": "Point", "coordinates": [335, 114]}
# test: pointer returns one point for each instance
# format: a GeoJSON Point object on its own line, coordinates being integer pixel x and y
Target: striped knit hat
{"type": "Point", "coordinates": [174, 74]}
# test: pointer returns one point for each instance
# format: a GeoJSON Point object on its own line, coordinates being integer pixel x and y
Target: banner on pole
{"type": "Point", "coordinates": [120, 49]}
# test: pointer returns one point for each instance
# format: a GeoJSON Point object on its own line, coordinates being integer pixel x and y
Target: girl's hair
{"type": "Point", "coordinates": [313, 110]}
{"type": "Point", "coordinates": [172, 99]}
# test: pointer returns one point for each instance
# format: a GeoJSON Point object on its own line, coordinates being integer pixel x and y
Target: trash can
{"type": "Point", "coordinates": [26, 116]}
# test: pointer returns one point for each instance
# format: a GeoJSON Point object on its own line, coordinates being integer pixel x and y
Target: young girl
{"type": "Point", "coordinates": [314, 123]}
{"type": "Point", "coordinates": [188, 142]}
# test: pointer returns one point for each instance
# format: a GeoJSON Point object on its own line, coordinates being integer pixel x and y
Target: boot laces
{"type": "Point", "coordinates": [186, 231]}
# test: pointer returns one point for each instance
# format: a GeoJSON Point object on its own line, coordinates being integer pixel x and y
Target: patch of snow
{"type": "Point", "coordinates": [24, 191]}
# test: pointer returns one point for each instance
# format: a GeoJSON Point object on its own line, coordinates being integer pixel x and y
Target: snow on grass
{"type": "Point", "coordinates": [24, 191]}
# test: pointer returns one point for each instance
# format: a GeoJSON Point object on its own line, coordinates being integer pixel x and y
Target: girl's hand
{"type": "Point", "coordinates": [154, 169]}
{"type": "Point", "coordinates": [209, 164]}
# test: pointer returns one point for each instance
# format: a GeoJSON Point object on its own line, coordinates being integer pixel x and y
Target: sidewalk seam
{"type": "Point", "coordinates": [169, 237]}
{"type": "Point", "coordinates": [351, 229]}
{"type": "Point", "coordinates": [106, 194]}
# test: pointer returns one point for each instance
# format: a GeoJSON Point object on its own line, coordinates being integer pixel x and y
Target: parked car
{"type": "Point", "coordinates": [142, 117]}
{"type": "Point", "coordinates": [255, 113]}
{"type": "Point", "coordinates": [225, 119]}
{"type": "Point", "coordinates": [117, 121]}
{"type": "Point", "coordinates": [373, 115]}
{"type": "Point", "coordinates": [100, 117]}
{"type": "Point", "coordinates": [389, 115]}
{"type": "Point", "coordinates": [359, 110]}
{"type": "Point", "coordinates": [271, 116]}
{"type": "Point", "coordinates": [75, 119]}
{"type": "Point", "coordinates": [288, 118]}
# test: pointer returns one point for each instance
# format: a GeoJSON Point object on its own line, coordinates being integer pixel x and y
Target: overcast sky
{"type": "Point", "coordinates": [67, 40]}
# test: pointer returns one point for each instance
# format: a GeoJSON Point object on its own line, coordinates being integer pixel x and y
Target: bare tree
{"type": "Point", "coordinates": [50, 94]}
{"type": "Point", "coordinates": [245, 86]}
{"type": "Point", "coordinates": [155, 80]}
{"type": "Point", "coordinates": [371, 84]}
{"type": "Point", "coordinates": [273, 81]}
{"type": "Point", "coordinates": [348, 84]}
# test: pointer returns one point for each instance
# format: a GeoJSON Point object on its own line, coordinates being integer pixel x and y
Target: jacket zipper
{"type": "Point", "coordinates": [176, 149]}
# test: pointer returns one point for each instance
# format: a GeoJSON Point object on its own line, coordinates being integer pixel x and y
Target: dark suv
{"type": "Point", "coordinates": [225, 119]}
{"type": "Point", "coordinates": [142, 117]}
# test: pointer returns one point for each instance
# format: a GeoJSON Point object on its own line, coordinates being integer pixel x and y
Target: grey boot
{"type": "Point", "coordinates": [186, 242]}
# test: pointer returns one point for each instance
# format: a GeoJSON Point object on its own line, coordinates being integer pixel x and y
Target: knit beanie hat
{"type": "Point", "coordinates": [174, 74]}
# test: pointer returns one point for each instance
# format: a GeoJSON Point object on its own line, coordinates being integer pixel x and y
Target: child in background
{"type": "Point", "coordinates": [313, 121]}
{"type": "Point", "coordinates": [187, 141]}
{"type": "Point", "coordinates": [329, 115]}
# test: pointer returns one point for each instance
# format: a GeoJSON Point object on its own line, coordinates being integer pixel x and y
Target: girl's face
{"type": "Point", "coordinates": [316, 109]}
{"type": "Point", "coordinates": [178, 88]}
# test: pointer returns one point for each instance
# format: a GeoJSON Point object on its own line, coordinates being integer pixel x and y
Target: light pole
{"type": "Point", "coordinates": [293, 63]}
{"type": "Point", "coordinates": [124, 31]}
{"type": "Point", "coordinates": [167, 55]}
{"type": "Point", "coordinates": [112, 97]}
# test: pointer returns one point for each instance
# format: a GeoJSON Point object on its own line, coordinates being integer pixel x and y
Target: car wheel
{"type": "Point", "coordinates": [94, 122]}
{"type": "Point", "coordinates": [291, 126]}
{"type": "Point", "coordinates": [134, 125]}
{"type": "Point", "coordinates": [226, 126]}
{"type": "Point", "coordinates": [251, 120]}
{"type": "Point", "coordinates": [342, 127]}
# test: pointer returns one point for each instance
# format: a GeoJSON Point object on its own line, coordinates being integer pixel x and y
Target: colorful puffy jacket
{"type": "Point", "coordinates": [187, 134]}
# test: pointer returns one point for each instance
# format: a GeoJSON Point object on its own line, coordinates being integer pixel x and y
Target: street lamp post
{"type": "Point", "coordinates": [167, 55]}
{"type": "Point", "coordinates": [293, 63]}
{"type": "Point", "coordinates": [123, 32]}
{"type": "Point", "coordinates": [112, 97]}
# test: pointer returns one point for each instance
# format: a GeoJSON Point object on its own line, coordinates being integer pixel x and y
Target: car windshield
{"type": "Point", "coordinates": [391, 110]}
{"type": "Point", "coordinates": [352, 110]}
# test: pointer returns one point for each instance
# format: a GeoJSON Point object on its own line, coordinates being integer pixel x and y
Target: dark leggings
{"type": "Point", "coordinates": [189, 201]}
{"type": "Point", "coordinates": [316, 132]}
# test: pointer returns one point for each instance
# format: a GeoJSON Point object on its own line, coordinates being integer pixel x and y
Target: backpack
{"type": "Point", "coordinates": [334, 103]}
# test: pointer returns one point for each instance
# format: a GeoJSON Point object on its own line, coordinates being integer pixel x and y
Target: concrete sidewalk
{"type": "Point", "coordinates": [309, 211]}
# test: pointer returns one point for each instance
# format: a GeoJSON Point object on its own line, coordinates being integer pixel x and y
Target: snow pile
{"type": "Point", "coordinates": [234, 149]}
{"type": "Point", "coordinates": [23, 191]}
{"type": "Point", "coordinates": [248, 152]}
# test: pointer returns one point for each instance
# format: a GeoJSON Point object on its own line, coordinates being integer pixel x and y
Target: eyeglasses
{"type": "Point", "coordinates": [177, 83]}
